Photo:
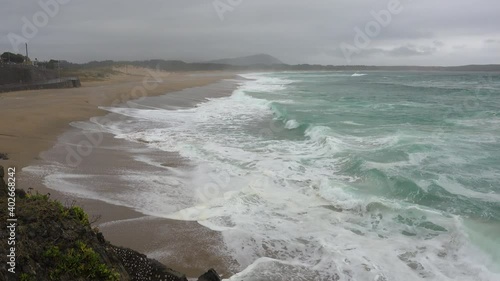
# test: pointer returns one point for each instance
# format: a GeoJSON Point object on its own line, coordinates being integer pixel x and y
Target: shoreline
{"type": "Point", "coordinates": [45, 116]}
{"type": "Point", "coordinates": [34, 119]}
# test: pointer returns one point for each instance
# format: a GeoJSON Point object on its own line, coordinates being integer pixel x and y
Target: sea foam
{"type": "Point", "coordinates": [326, 202]}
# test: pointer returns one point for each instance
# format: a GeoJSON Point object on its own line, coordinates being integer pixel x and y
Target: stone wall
{"type": "Point", "coordinates": [71, 82]}
{"type": "Point", "coordinates": [17, 74]}
{"type": "Point", "coordinates": [23, 77]}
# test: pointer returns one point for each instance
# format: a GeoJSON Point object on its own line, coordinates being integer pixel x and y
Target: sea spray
{"type": "Point", "coordinates": [379, 177]}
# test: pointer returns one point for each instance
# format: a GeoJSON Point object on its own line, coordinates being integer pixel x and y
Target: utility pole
{"type": "Point", "coordinates": [27, 57]}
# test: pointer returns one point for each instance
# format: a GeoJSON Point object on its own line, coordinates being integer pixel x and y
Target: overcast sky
{"type": "Point", "coordinates": [420, 32]}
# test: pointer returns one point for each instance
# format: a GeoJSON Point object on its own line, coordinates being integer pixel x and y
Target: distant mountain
{"type": "Point", "coordinates": [269, 63]}
{"type": "Point", "coordinates": [260, 59]}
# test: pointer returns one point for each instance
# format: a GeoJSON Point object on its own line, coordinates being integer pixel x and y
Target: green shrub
{"type": "Point", "coordinates": [37, 196]}
{"type": "Point", "coordinates": [26, 277]}
{"type": "Point", "coordinates": [79, 262]}
{"type": "Point", "coordinates": [80, 215]}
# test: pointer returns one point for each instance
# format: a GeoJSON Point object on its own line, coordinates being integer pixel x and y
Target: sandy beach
{"type": "Point", "coordinates": [32, 120]}
{"type": "Point", "coordinates": [35, 122]}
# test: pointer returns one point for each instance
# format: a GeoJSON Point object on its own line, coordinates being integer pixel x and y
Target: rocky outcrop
{"type": "Point", "coordinates": [211, 275]}
{"type": "Point", "coordinates": [56, 242]}
{"type": "Point", "coordinates": [141, 268]}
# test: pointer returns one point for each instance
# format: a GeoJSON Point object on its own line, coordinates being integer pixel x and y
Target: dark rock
{"type": "Point", "coordinates": [210, 275]}
{"type": "Point", "coordinates": [21, 193]}
{"type": "Point", "coordinates": [100, 238]}
{"type": "Point", "coordinates": [4, 156]}
{"type": "Point", "coordinates": [140, 267]}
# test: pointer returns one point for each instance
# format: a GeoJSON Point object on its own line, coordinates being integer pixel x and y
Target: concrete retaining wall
{"type": "Point", "coordinates": [71, 82]}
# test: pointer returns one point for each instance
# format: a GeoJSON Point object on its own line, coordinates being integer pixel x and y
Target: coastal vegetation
{"type": "Point", "coordinates": [261, 63]}
{"type": "Point", "coordinates": [55, 241]}
{"type": "Point", "coordinates": [9, 57]}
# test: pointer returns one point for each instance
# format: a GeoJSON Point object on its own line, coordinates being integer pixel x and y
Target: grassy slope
{"type": "Point", "coordinates": [56, 242]}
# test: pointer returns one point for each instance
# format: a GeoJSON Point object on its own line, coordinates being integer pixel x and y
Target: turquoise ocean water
{"type": "Point", "coordinates": [336, 175]}
{"type": "Point", "coordinates": [364, 176]}
{"type": "Point", "coordinates": [408, 163]}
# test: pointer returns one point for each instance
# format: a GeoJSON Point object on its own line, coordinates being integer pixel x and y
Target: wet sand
{"type": "Point", "coordinates": [35, 131]}
{"type": "Point", "coordinates": [30, 121]}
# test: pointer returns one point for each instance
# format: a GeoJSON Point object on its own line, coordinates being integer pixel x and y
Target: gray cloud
{"type": "Point", "coordinates": [293, 30]}
{"type": "Point", "coordinates": [406, 51]}
{"type": "Point", "coordinates": [438, 43]}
